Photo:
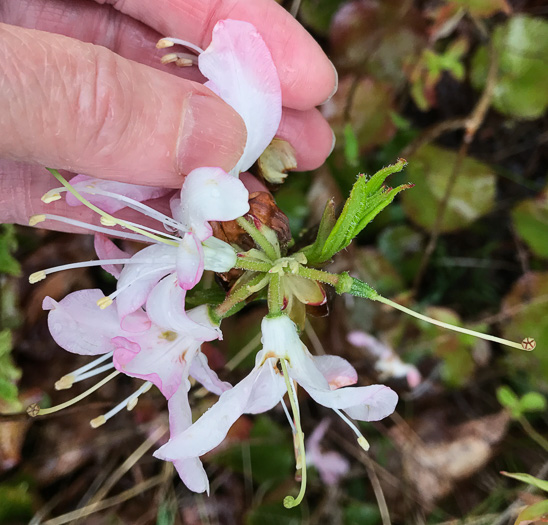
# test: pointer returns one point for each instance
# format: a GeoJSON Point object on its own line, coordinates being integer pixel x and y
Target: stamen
{"type": "Point", "coordinates": [35, 410]}
{"type": "Point", "coordinates": [35, 219]}
{"type": "Point", "coordinates": [290, 501]}
{"type": "Point", "coordinates": [131, 203]}
{"type": "Point", "coordinates": [361, 439]}
{"type": "Point", "coordinates": [527, 344]}
{"type": "Point", "coordinates": [91, 206]}
{"type": "Point", "coordinates": [169, 42]}
{"type": "Point", "coordinates": [38, 276]}
{"type": "Point", "coordinates": [67, 381]}
{"type": "Point", "coordinates": [106, 222]}
{"type": "Point", "coordinates": [128, 403]}
{"type": "Point", "coordinates": [91, 364]}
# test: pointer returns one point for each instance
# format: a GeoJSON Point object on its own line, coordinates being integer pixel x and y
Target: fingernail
{"type": "Point", "coordinates": [211, 134]}
{"type": "Point", "coordinates": [333, 143]}
{"type": "Point", "coordinates": [336, 85]}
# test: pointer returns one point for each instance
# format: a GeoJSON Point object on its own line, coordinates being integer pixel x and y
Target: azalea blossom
{"type": "Point", "coordinates": [325, 378]}
{"type": "Point", "coordinates": [161, 357]}
{"type": "Point", "coordinates": [240, 70]}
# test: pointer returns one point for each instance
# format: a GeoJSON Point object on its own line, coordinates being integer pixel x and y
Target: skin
{"type": "Point", "coordinates": [82, 89]}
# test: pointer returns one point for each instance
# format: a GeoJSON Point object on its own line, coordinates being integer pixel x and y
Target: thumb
{"type": "Point", "coordinates": [75, 106]}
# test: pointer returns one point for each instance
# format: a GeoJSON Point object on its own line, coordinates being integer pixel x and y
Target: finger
{"type": "Point", "coordinates": [309, 133]}
{"type": "Point", "coordinates": [80, 107]}
{"type": "Point", "coordinates": [103, 26]}
{"type": "Point", "coordinates": [306, 74]}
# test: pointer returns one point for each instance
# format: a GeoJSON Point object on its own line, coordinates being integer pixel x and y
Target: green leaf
{"type": "Point", "coordinates": [362, 514]}
{"type": "Point", "coordinates": [522, 47]}
{"type": "Point", "coordinates": [327, 223]}
{"type": "Point", "coordinates": [527, 301]}
{"type": "Point", "coordinates": [533, 512]}
{"type": "Point", "coordinates": [527, 478]}
{"type": "Point", "coordinates": [367, 199]}
{"type": "Point", "coordinates": [507, 398]}
{"type": "Point", "coordinates": [473, 195]}
{"type": "Point", "coordinates": [530, 218]}
{"type": "Point", "coordinates": [9, 375]}
{"type": "Point", "coordinates": [533, 402]}
{"type": "Point", "coordinates": [8, 244]}
{"type": "Point", "coordinates": [16, 503]}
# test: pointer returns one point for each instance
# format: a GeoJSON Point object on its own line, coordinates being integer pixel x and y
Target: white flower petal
{"type": "Point", "coordinates": [210, 194]}
{"type": "Point", "coordinates": [190, 261]}
{"type": "Point", "coordinates": [241, 71]}
{"type": "Point", "coordinates": [219, 256]}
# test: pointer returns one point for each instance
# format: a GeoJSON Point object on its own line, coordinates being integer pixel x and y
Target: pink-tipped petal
{"type": "Point", "coordinates": [190, 261]}
{"type": "Point", "coordinates": [210, 430]}
{"type": "Point", "coordinates": [240, 70]}
{"type": "Point", "coordinates": [210, 194]}
{"type": "Point", "coordinates": [337, 371]}
{"type": "Point", "coordinates": [85, 185]}
{"type": "Point", "coordinates": [106, 249]}
{"type": "Point", "coordinates": [78, 325]}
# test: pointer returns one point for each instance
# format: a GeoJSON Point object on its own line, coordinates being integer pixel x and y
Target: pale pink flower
{"type": "Point", "coordinates": [264, 387]}
{"type": "Point", "coordinates": [165, 358]}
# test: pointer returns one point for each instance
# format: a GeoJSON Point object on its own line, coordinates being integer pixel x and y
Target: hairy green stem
{"type": "Point", "coordinates": [258, 237]}
{"type": "Point", "coordinates": [255, 266]}
{"type": "Point", "coordinates": [241, 294]}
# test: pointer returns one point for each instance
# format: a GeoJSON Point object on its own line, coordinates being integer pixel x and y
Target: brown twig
{"type": "Point", "coordinates": [473, 122]}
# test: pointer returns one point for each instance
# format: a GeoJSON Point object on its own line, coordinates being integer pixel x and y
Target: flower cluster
{"type": "Point", "coordinates": [144, 328]}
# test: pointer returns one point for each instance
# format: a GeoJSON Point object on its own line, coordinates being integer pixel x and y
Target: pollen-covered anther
{"type": "Point", "coordinates": [36, 219]}
{"type": "Point", "coordinates": [108, 221]}
{"type": "Point", "coordinates": [183, 62]}
{"type": "Point", "coordinates": [65, 382]}
{"type": "Point", "coordinates": [98, 421]}
{"type": "Point", "coordinates": [104, 302]}
{"type": "Point", "coordinates": [528, 344]}
{"type": "Point", "coordinates": [37, 277]}
{"type": "Point", "coordinates": [363, 443]}
{"type": "Point", "coordinates": [50, 196]}
{"type": "Point", "coordinates": [170, 57]}
{"type": "Point", "coordinates": [163, 43]}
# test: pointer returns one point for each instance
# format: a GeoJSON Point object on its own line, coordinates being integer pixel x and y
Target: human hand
{"type": "Point", "coordinates": [113, 113]}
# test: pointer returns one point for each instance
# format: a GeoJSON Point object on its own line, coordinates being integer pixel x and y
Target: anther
{"type": "Point", "coordinates": [163, 43]}
{"type": "Point", "coordinates": [104, 302]}
{"type": "Point", "coordinates": [170, 57]}
{"type": "Point", "coordinates": [65, 382]}
{"type": "Point", "coordinates": [50, 196]}
{"type": "Point", "coordinates": [98, 421]}
{"type": "Point", "coordinates": [363, 443]}
{"type": "Point", "coordinates": [108, 221]}
{"type": "Point", "coordinates": [183, 62]}
{"type": "Point", "coordinates": [35, 219]}
{"type": "Point", "coordinates": [37, 276]}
